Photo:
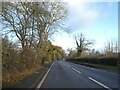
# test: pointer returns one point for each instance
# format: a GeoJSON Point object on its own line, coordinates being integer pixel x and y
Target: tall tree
{"type": "Point", "coordinates": [32, 22]}
{"type": "Point", "coordinates": [82, 43]}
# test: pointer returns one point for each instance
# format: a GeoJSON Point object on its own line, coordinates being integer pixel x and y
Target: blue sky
{"type": "Point", "coordinates": [96, 20]}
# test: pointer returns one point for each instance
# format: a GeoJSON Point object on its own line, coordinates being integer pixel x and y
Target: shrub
{"type": "Point", "coordinates": [110, 61]}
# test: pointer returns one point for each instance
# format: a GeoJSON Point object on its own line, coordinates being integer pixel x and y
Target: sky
{"type": "Point", "coordinates": [96, 20]}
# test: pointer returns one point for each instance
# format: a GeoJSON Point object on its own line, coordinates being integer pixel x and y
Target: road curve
{"type": "Point", "coordinates": [64, 74]}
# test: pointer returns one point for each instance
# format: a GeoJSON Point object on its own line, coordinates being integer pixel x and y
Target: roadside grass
{"type": "Point", "coordinates": [16, 77]}
{"type": "Point", "coordinates": [98, 66]}
{"type": "Point", "coordinates": [20, 79]}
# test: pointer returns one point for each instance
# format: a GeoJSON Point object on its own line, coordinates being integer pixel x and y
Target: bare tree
{"type": "Point", "coordinates": [82, 43]}
{"type": "Point", "coordinates": [16, 18]}
{"type": "Point", "coordinates": [71, 52]}
{"type": "Point", "coordinates": [54, 13]}
{"type": "Point", "coordinates": [33, 22]}
{"type": "Point", "coordinates": [111, 48]}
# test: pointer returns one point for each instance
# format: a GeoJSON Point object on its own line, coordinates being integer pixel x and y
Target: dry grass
{"type": "Point", "coordinates": [98, 66]}
{"type": "Point", "coordinates": [17, 76]}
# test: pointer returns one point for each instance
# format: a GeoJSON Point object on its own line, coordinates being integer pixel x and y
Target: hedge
{"type": "Point", "coordinates": [110, 61]}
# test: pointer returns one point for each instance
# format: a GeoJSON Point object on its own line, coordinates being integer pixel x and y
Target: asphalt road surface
{"type": "Point", "coordinates": [64, 74]}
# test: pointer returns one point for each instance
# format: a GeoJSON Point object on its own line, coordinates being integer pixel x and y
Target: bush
{"type": "Point", "coordinates": [110, 61]}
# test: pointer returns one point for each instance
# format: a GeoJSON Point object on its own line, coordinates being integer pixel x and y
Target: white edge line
{"type": "Point", "coordinates": [100, 83]}
{"type": "Point", "coordinates": [76, 70]}
{"type": "Point", "coordinates": [39, 85]}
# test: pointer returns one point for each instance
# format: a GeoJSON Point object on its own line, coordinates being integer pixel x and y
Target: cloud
{"type": "Point", "coordinates": [82, 14]}
{"type": "Point", "coordinates": [64, 40]}
{"type": "Point", "coordinates": [76, 1]}
{"type": "Point", "coordinates": [92, 19]}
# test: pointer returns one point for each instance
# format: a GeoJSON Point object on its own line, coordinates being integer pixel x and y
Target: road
{"type": "Point", "coordinates": [64, 74]}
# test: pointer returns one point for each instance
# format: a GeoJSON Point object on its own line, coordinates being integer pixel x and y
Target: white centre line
{"type": "Point", "coordinates": [100, 83]}
{"type": "Point", "coordinates": [76, 70]}
{"type": "Point", "coordinates": [67, 65]}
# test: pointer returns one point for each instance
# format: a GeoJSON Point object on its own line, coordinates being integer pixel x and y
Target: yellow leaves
{"type": "Point", "coordinates": [22, 74]}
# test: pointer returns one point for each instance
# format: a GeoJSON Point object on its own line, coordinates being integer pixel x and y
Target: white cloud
{"type": "Point", "coordinates": [82, 14]}
{"type": "Point", "coordinates": [75, 1]}
{"type": "Point", "coordinates": [86, 16]}
{"type": "Point", "coordinates": [64, 40]}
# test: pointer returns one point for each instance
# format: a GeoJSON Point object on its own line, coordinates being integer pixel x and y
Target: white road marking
{"type": "Point", "coordinates": [67, 65]}
{"type": "Point", "coordinates": [91, 68]}
{"type": "Point", "coordinates": [97, 69]}
{"type": "Point", "coordinates": [41, 82]}
{"type": "Point", "coordinates": [76, 70]}
{"type": "Point", "coordinates": [100, 83]}
{"type": "Point", "coordinates": [63, 63]}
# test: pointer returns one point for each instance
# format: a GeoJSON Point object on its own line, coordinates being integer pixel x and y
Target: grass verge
{"type": "Point", "coordinates": [16, 77]}
{"type": "Point", "coordinates": [98, 66]}
{"type": "Point", "coordinates": [26, 78]}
